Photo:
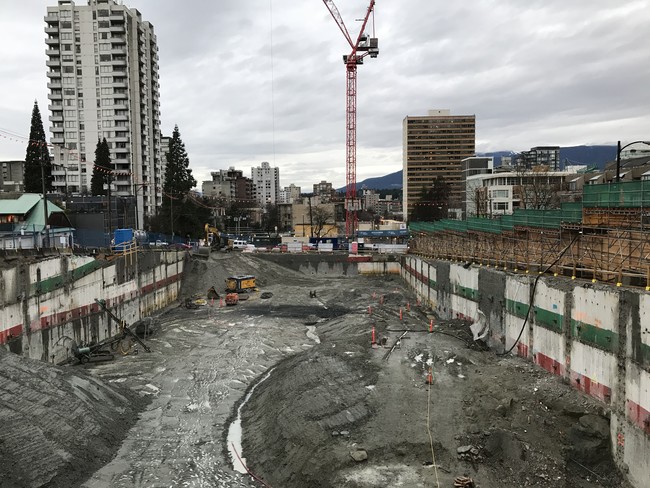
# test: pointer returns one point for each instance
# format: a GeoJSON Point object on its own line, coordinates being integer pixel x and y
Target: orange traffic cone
{"type": "Point", "coordinates": [400, 313]}
{"type": "Point", "coordinates": [373, 338]}
{"type": "Point", "coordinates": [430, 377]}
{"type": "Point", "coordinates": [431, 326]}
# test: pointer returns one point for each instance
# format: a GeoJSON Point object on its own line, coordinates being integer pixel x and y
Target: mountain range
{"type": "Point", "coordinates": [573, 155]}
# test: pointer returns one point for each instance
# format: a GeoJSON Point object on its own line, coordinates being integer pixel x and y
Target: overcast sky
{"type": "Point", "coordinates": [263, 80]}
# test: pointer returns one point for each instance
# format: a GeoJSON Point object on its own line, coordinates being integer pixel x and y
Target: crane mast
{"type": "Point", "coordinates": [362, 47]}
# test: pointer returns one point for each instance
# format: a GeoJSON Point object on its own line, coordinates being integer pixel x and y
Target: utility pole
{"type": "Point", "coordinates": [171, 203]}
{"type": "Point", "coordinates": [110, 217]}
{"type": "Point", "coordinates": [311, 219]}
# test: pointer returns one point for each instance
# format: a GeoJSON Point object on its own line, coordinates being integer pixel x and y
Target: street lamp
{"type": "Point", "coordinates": [618, 156]}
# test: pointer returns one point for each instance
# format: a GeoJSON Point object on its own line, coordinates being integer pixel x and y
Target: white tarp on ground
{"type": "Point", "coordinates": [480, 328]}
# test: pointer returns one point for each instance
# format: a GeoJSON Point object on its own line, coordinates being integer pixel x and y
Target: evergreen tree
{"type": "Point", "coordinates": [178, 175]}
{"type": "Point", "coordinates": [37, 155]}
{"type": "Point", "coordinates": [433, 203]}
{"type": "Point", "coordinates": [101, 169]}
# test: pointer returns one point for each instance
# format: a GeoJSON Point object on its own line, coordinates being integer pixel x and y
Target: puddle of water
{"type": "Point", "coordinates": [235, 432]}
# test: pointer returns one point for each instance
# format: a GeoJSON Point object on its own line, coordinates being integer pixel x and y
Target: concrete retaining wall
{"type": "Point", "coordinates": [595, 336]}
{"type": "Point", "coordinates": [45, 305]}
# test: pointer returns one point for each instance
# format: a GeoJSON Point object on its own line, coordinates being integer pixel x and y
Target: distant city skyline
{"type": "Point", "coordinates": [250, 84]}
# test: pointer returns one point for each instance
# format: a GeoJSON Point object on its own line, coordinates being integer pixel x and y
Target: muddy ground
{"type": "Point", "coordinates": [319, 395]}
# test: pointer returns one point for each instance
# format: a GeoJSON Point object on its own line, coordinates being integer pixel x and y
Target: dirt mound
{"type": "Point", "coordinates": [200, 275]}
{"type": "Point", "coordinates": [58, 425]}
{"type": "Point", "coordinates": [312, 399]}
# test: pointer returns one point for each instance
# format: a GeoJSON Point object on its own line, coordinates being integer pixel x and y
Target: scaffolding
{"type": "Point", "coordinates": [606, 236]}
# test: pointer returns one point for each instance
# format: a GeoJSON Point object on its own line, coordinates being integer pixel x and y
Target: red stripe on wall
{"type": "Point", "coordinates": [11, 332]}
{"type": "Point", "coordinates": [549, 364]}
{"type": "Point", "coordinates": [638, 415]}
{"type": "Point", "coordinates": [591, 388]}
{"type": "Point", "coordinates": [59, 318]}
{"type": "Point", "coordinates": [522, 349]}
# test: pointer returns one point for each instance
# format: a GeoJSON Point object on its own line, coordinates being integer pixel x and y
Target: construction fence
{"type": "Point", "coordinates": [606, 237]}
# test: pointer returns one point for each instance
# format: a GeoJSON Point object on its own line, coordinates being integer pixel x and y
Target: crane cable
{"type": "Point", "coordinates": [272, 83]}
{"type": "Point", "coordinates": [433, 454]}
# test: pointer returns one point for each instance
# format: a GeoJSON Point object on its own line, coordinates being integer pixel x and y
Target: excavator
{"type": "Point", "coordinates": [212, 241]}
{"type": "Point", "coordinates": [212, 237]}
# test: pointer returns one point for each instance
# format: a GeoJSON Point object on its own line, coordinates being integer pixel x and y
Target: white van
{"type": "Point", "coordinates": [239, 244]}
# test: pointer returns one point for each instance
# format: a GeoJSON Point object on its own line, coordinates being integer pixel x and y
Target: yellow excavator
{"type": "Point", "coordinates": [212, 241]}
{"type": "Point", "coordinates": [212, 237]}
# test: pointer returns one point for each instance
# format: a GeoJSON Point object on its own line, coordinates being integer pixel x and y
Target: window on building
{"type": "Point", "coordinates": [70, 135]}
{"type": "Point", "coordinates": [69, 91]}
{"type": "Point", "coordinates": [71, 124]}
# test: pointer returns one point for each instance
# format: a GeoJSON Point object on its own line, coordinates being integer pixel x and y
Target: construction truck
{"type": "Point", "coordinates": [241, 283]}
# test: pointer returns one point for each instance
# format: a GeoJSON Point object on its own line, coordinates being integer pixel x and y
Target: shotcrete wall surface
{"type": "Point", "coordinates": [47, 304]}
{"type": "Point", "coordinates": [334, 264]}
{"type": "Point", "coordinates": [592, 335]}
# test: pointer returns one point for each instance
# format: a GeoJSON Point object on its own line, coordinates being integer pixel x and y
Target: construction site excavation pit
{"type": "Point", "coordinates": [318, 405]}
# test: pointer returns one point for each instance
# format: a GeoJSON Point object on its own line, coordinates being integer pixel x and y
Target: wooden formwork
{"type": "Point", "coordinates": [615, 255]}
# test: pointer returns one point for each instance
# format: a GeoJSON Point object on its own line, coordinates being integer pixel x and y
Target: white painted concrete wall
{"type": "Point", "coordinates": [54, 318]}
{"type": "Point", "coordinates": [596, 307]}
{"type": "Point", "coordinates": [596, 368]}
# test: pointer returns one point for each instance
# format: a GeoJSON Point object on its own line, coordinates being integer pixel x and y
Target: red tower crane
{"type": "Point", "coordinates": [362, 47]}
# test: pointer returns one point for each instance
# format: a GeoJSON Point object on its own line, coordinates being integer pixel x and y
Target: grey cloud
{"type": "Point", "coordinates": [534, 72]}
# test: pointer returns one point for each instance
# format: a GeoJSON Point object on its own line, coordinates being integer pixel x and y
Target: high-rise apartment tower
{"type": "Point", "coordinates": [103, 81]}
{"type": "Point", "coordinates": [267, 183]}
{"type": "Point", "coordinates": [433, 147]}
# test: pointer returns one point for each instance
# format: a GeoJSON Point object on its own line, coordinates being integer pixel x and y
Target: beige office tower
{"type": "Point", "coordinates": [433, 147]}
{"type": "Point", "coordinates": [102, 61]}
